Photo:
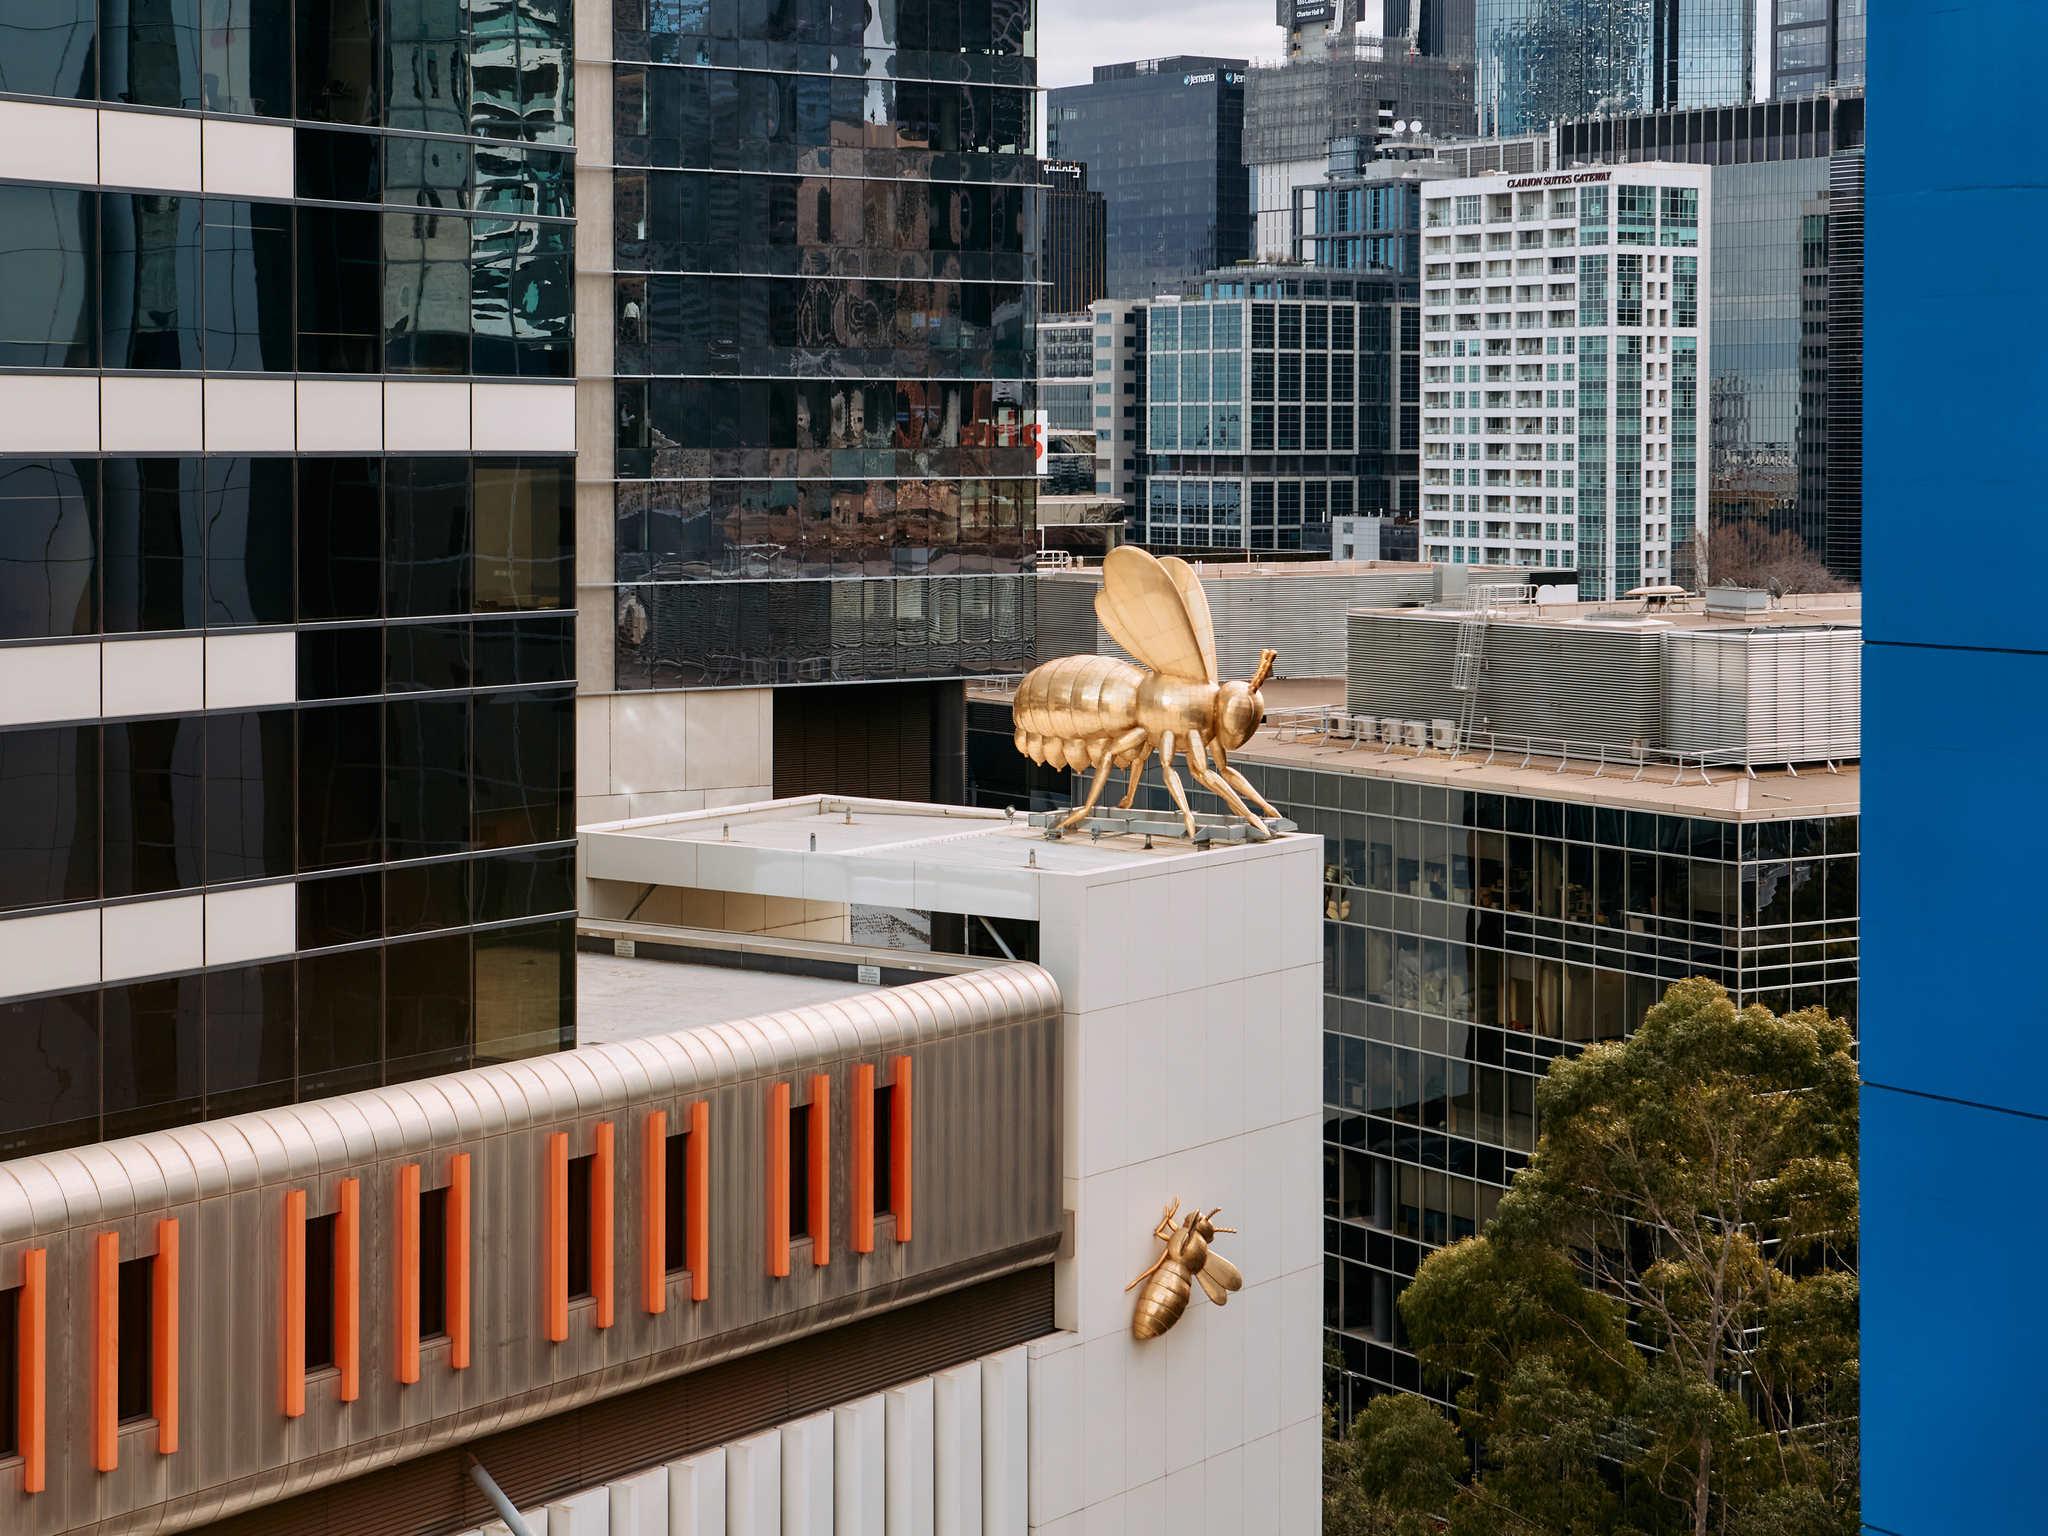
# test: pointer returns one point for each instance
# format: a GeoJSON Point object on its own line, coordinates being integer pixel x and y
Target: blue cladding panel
{"type": "Point", "coordinates": [1955, 762]}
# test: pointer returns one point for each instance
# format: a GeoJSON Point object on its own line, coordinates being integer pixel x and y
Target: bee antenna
{"type": "Point", "coordinates": [1266, 660]}
{"type": "Point", "coordinates": [1231, 1230]}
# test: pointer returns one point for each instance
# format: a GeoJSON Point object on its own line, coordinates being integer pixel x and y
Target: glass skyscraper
{"type": "Point", "coordinates": [1163, 140]}
{"type": "Point", "coordinates": [1816, 44]}
{"type": "Point", "coordinates": [1543, 61]}
{"type": "Point", "coordinates": [287, 437]}
{"type": "Point", "coordinates": [824, 241]}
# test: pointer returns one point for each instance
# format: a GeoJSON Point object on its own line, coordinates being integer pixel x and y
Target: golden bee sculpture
{"type": "Point", "coordinates": [1098, 712]}
{"type": "Point", "coordinates": [1187, 1261]}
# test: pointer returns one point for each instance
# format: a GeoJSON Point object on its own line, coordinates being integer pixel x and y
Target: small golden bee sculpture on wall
{"type": "Point", "coordinates": [1188, 1260]}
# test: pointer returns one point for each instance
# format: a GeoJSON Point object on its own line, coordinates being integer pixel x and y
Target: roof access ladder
{"type": "Point", "coordinates": [1470, 661]}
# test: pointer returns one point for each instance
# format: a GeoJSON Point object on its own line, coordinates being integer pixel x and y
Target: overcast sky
{"type": "Point", "coordinates": [1076, 35]}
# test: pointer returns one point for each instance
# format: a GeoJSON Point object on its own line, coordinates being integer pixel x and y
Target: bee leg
{"type": "Point", "coordinates": [1198, 765]}
{"type": "Point", "coordinates": [1137, 778]}
{"type": "Point", "coordinates": [1173, 784]}
{"type": "Point", "coordinates": [1099, 755]}
{"type": "Point", "coordinates": [1243, 785]}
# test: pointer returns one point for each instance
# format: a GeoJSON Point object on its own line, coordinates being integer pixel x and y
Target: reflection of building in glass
{"type": "Point", "coordinates": [1163, 140]}
{"type": "Point", "coordinates": [1542, 61]}
{"type": "Point", "coordinates": [1272, 397]}
{"type": "Point", "coordinates": [1785, 399]}
{"type": "Point", "coordinates": [822, 375]}
{"type": "Point", "coordinates": [1816, 44]}
{"type": "Point", "coordinates": [286, 576]}
{"type": "Point", "coordinates": [1566, 341]}
{"type": "Point", "coordinates": [1066, 394]}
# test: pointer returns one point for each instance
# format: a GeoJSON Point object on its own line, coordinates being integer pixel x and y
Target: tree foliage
{"type": "Point", "coordinates": [1746, 555]}
{"type": "Point", "coordinates": [1657, 1333]}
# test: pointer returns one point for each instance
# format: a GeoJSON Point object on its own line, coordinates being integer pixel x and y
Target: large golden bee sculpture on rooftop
{"type": "Point", "coordinates": [1098, 712]}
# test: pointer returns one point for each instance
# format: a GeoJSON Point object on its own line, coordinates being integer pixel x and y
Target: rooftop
{"type": "Point", "coordinates": [1690, 613]}
{"type": "Point", "coordinates": [618, 998]}
{"type": "Point", "coordinates": [1724, 793]}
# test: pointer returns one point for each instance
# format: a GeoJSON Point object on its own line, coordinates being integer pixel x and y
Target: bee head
{"type": "Point", "coordinates": [1240, 711]}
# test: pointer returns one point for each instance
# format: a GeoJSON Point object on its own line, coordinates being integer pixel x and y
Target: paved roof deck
{"type": "Point", "coordinates": [1808, 611]}
{"type": "Point", "coordinates": [619, 999]}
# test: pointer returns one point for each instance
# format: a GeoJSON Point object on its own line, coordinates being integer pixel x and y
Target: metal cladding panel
{"type": "Point", "coordinates": [986, 1167]}
{"type": "Point", "coordinates": [1765, 696]}
{"type": "Point", "coordinates": [1299, 613]}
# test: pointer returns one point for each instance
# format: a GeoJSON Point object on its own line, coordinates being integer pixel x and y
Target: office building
{"type": "Point", "coordinates": [1785, 398]}
{"type": "Point", "coordinates": [1073, 241]}
{"type": "Point", "coordinates": [1542, 61]}
{"type": "Point", "coordinates": [1272, 401]}
{"type": "Point", "coordinates": [1955, 1063]}
{"type": "Point", "coordinates": [1066, 394]}
{"type": "Point", "coordinates": [287, 426]}
{"type": "Point", "coordinates": [1163, 140]}
{"type": "Point", "coordinates": [804, 1234]}
{"type": "Point", "coordinates": [1575, 301]}
{"type": "Point", "coordinates": [1816, 44]}
{"type": "Point", "coordinates": [1120, 386]}
{"type": "Point", "coordinates": [1443, 28]}
{"type": "Point", "coordinates": [1360, 92]}
{"type": "Point", "coordinates": [1312, 27]}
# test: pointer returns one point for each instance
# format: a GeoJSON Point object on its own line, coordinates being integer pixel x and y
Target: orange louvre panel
{"type": "Point", "coordinates": [601, 1225]}
{"type": "Point", "coordinates": [863, 1113]}
{"type": "Point", "coordinates": [821, 1169]}
{"type": "Point", "coordinates": [348, 1290]}
{"type": "Point", "coordinates": [778, 1179]}
{"type": "Point", "coordinates": [900, 1149]}
{"type": "Point", "coordinates": [106, 1348]}
{"type": "Point", "coordinates": [31, 1331]}
{"type": "Point", "coordinates": [291, 1350]}
{"type": "Point", "coordinates": [163, 1373]}
{"type": "Point", "coordinates": [654, 1212]}
{"type": "Point", "coordinates": [458, 1262]}
{"type": "Point", "coordinates": [556, 1258]}
{"type": "Point", "coordinates": [405, 1265]}
{"type": "Point", "coordinates": [698, 1238]}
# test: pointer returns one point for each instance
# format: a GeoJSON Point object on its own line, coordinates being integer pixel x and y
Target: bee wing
{"type": "Point", "coordinates": [1225, 1275]}
{"type": "Point", "coordinates": [1146, 610]}
{"type": "Point", "coordinates": [1217, 1291]}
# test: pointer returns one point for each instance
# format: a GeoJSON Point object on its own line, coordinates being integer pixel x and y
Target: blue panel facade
{"type": "Point", "coordinates": [1955, 1107]}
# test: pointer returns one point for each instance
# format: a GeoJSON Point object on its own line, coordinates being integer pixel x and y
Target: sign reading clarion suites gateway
{"type": "Point", "coordinates": [1562, 179]}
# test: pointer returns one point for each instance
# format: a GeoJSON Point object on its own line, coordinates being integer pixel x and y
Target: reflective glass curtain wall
{"type": "Point", "coordinates": [826, 238]}
{"type": "Point", "coordinates": [1544, 61]}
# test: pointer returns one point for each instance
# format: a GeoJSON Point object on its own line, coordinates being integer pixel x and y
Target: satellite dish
{"type": "Point", "coordinates": [1415, 126]}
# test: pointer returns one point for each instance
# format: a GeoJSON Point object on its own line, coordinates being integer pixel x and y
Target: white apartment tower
{"type": "Point", "coordinates": [1565, 348]}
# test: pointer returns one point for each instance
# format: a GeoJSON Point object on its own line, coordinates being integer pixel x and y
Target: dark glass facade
{"type": "Point", "coordinates": [405, 790]}
{"type": "Point", "coordinates": [1073, 247]}
{"type": "Point", "coordinates": [1785, 400]}
{"type": "Point", "coordinates": [1163, 141]}
{"type": "Point", "coordinates": [826, 237]}
{"type": "Point", "coordinates": [1544, 61]}
{"type": "Point", "coordinates": [1816, 44]}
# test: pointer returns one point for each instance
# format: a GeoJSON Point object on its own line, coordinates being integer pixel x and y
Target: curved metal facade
{"type": "Point", "coordinates": [982, 1156]}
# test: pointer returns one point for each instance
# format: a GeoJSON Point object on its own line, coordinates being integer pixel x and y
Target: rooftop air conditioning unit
{"type": "Point", "coordinates": [1415, 734]}
{"type": "Point", "coordinates": [1337, 727]}
{"type": "Point", "coordinates": [1444, 735]}
{"type": "Point", "coordinates": [1365, 727]}
{"type": "Point", "coordinates": [1390, 731]}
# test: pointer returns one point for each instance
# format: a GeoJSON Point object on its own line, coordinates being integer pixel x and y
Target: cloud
{"type": "Point", "coordinates": [1076, 35]}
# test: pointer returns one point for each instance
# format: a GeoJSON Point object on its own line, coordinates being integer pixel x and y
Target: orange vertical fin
{"type": "Point", "coordinates": [602, 1227]}
{"type": "Point", "coordinates": [458, 1262]}
{"type": "Point", "coordinates": [821, 1169]}
{"type": "Point", "coordinates": [654, 1212]}
{"type": "Point", "coordinates": [778, 1179]}
{"type": "Point", "coordinates": [163, 1372]}
{"type": "Point", "coordinates": [862, 1114]}
{"type": "Point", "coordinates": [405, 1272]}
{"type": "Point", "coordinates": [556, 1260]}
{"type": "Point", "coordinates": [106, 1349]}
{"type": "Point", "coordinates": [697, 1243]}
{"type": "Point", "coordinates": [31, 1333]}
{"type": "Point", "coordinates": [348, 1290]}
{"type": "Point", "coordinates": [900, 1149]}
{"type": "Point", "coordinates": [291, 1351]}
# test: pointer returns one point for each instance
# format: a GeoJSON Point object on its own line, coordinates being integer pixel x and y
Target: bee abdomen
{"type": "Point", "coordinates": [1077, 699]}
{"type": "Point", "coordinates": [1161, 1303]}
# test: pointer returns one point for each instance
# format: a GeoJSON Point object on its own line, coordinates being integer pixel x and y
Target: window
{"type": "Point", "coordinates": [49, 308]}
{"type": "Point", "coordinates": [427, 1007]}
{"type": "Point", "coordinates": [319, 1293]}
{"type": "Point", "coordinates": [251, 1030]}
{"type": "Point", "coordinates": [580, 1169]}
{"type": "Point", "coordinates": [248, 286]}
{"type": "Point", "coordinates": [427, 537]}
{"type": "Point", "coordinates": [338, 56]}
{"type": "Point", "coordinates": [799, 1171]}
{"type": "Point", "coordinates": [151, 550]}
{"type": "Point", "coordinates": [49, 816]}
{"type": "Point", "coordinates": [524, 536]}
{"type": "Point", "coordinates": [10, 1367]}
{"type": "Point", "coordinates": [135, 1356]}
{"type": "Point", "coordinates": [249, 558]}
{"type": "Point", "coordinates": [426, 292]}
{"type": "Point", "coordinates": [153, 808]}
{"type": "Point", "coordinates": [149, 280]}
{"type": "Point", "coordinates": [49, 1073]}
{"type": "Point", "coordinates": [433, 1262]}
{"type": "Point", "coordinates": [340, 290]}
{"type": "Point", "coordinates": [884, 1171]}
{"type": "Point", "coordinates": [675, 1226]}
